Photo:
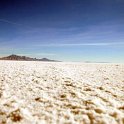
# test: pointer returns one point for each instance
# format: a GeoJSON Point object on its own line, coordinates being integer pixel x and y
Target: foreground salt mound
{"type": "Point", "coordinates": [61, 93]}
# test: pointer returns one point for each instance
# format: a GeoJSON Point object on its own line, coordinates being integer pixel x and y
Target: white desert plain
{"type": "Point", "coordinates": [61, 93]}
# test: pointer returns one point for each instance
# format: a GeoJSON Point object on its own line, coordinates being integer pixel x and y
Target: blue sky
{"type": "Point", "coordinates": [67, 30]}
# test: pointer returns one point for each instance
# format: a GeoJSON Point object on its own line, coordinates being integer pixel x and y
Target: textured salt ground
{"type": "Point", "coordinates": [61, 93]}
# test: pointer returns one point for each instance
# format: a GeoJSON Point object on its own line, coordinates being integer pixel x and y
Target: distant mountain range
{"type": "Point", "coordinates": [24, 58]}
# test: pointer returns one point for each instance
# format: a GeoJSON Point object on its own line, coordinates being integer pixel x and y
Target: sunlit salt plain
{"type": "Point", "coordinates": [61, 93]}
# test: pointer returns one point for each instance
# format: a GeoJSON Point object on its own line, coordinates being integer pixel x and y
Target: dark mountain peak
{"type": "Point", "coordinates": [24, 58]}
{"type": "Point", "coordinates": [13, 55]}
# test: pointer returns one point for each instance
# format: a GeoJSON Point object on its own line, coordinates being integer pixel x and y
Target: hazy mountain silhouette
{"type": "Point", "coordinates": [25, 58]}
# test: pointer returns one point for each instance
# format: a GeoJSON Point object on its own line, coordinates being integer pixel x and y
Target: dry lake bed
{"type": "Point", "coordinates": [61, 93]}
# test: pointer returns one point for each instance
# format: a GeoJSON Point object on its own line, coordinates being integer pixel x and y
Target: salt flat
{"type": "Point", "coordinates": [61, 93]}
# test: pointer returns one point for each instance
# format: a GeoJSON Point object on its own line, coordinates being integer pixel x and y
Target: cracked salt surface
{"type": "Point", "coordinates": [61, 93]}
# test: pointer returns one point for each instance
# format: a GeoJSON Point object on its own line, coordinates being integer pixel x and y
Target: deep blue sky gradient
{"type": "Point", "coordinates": [67, 30]}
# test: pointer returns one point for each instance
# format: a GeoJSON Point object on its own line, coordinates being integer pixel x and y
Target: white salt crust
{"type": "Point", "coordinates": [61, 93]}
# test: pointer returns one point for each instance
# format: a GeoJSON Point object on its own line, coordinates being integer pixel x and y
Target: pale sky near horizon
{"type": "Point", "coordinates": [66, 30]}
